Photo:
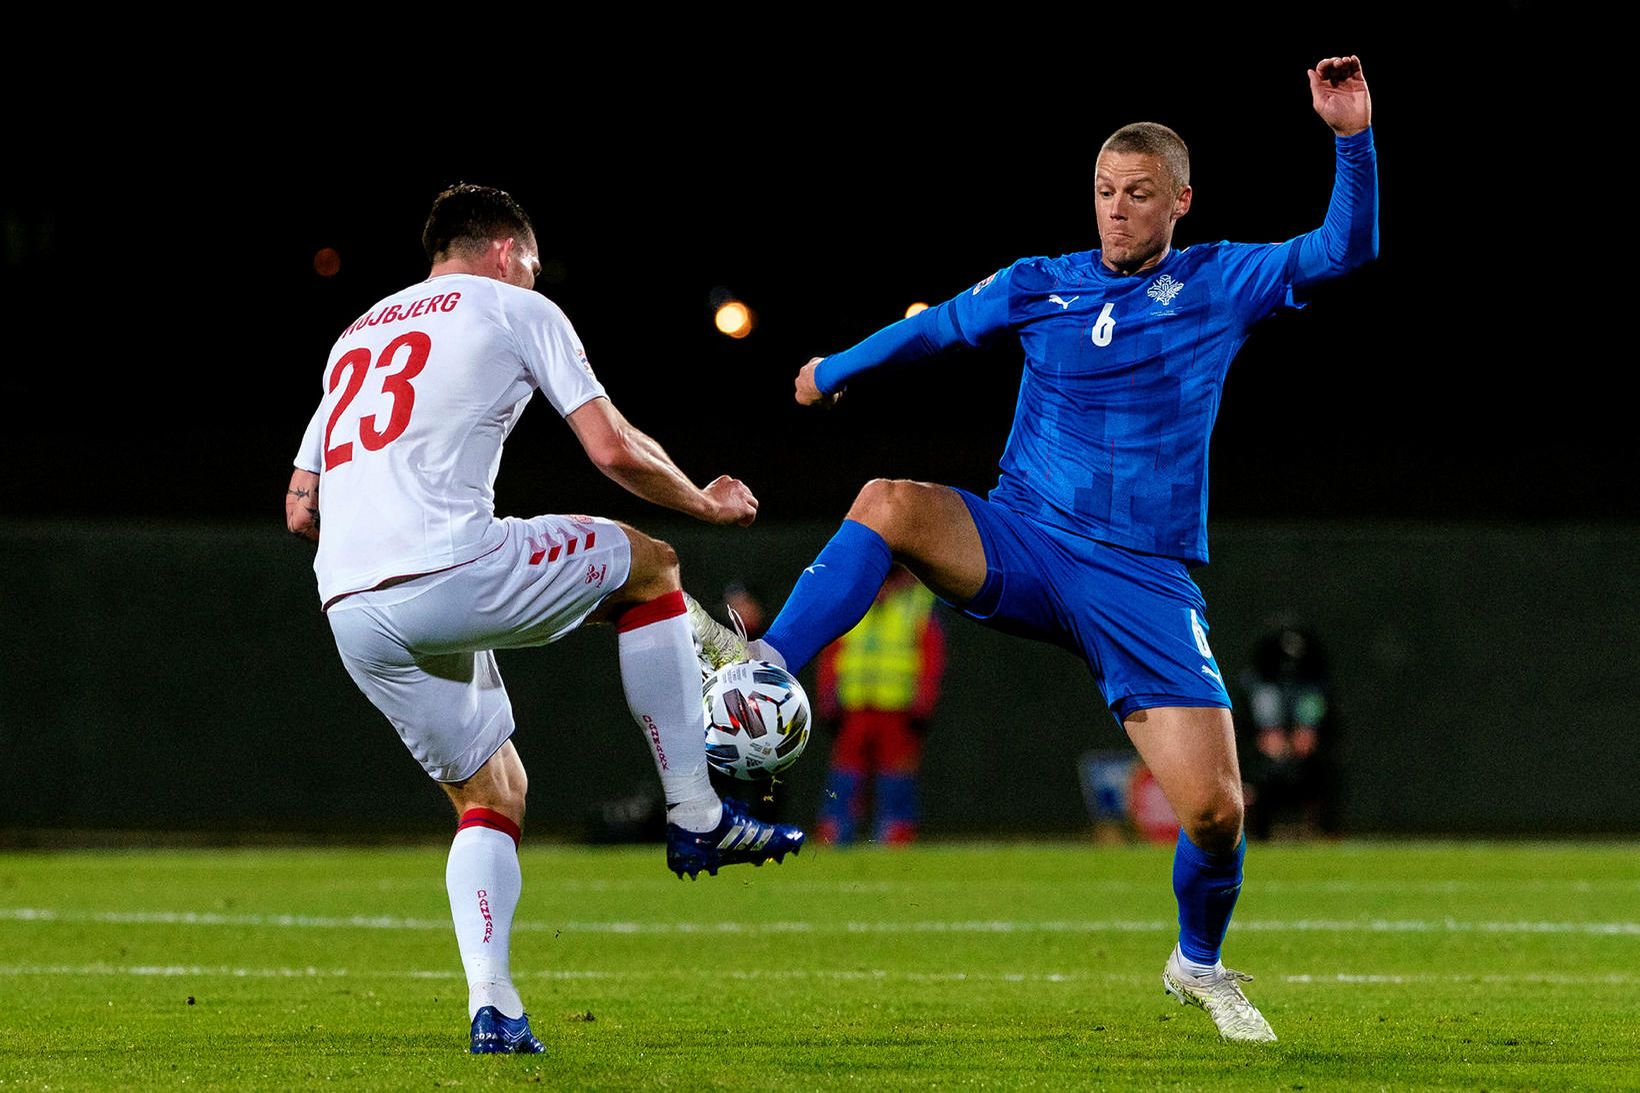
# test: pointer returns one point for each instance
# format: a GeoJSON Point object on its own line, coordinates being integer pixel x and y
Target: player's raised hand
{"type": "Point", "coordinates": [1338, 91]}
{"type": "Point", "coordinates": [733, 502]}
{"type": "Point", "coordinates": [808, 391]}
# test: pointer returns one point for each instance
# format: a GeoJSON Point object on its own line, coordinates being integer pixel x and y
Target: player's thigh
{"type": "Point", "coordinates": [1023, 569]}
{"type": "Point", "coordinates": [450, 709]}
{"type": "Point", "coordinates": [930, 530]}
{"type": "Point", "coordinates": [1142, 624]}
{"type": "Point", "coordinates": [547, 577]}
{"type": "Point", "coordinates": [1191, 750]}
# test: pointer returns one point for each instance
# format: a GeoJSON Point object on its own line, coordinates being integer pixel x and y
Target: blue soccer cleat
{"type": "Point", "coordinates": [739, 837]}
{"type": "Point", "coordinates": [494, 1034]}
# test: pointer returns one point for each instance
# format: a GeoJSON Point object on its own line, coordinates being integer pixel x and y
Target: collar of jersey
{"type": "Point", "coordinates": [1096, 265]}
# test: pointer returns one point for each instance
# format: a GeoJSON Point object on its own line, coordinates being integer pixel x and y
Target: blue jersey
{"type": "Point", "coordinates": [1122, 383]}
{"type": "Point", "coordinates": [1123, 374]}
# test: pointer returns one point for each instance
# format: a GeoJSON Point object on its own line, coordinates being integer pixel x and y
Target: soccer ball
{"type": "Point", "coordinates": [757, 720]}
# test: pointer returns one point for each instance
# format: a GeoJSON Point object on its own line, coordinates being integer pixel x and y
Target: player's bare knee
{"type": "Point", "coordinates": [1216, 828]}
{"type": "Point", "coordinates": [509, 800]}
{"type": "Point", "coordinates": [500, 785]}
{"type": "Point", "coordinates": [888, 506]}
{"type": "Point", "coordinates": [876, 503]}
{"type": "Point", "coordinates": [666, 565]}
{"type": "Point", "coordinates": [654, 571]}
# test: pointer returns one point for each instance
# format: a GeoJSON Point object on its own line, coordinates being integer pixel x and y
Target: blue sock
{"type": "Point", "coordinates": [832, 594]}
{"type": "Point", "coordinates": [1206, 886]}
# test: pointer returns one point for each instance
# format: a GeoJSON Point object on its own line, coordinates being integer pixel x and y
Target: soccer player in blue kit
{"type": "Point", "coordinates": [1101, 510]}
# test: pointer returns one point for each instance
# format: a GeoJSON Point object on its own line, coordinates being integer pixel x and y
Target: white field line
{"type": "Point", "coordinates": [869, 975]}
{"type": "Point", "coordinates": [1096, 884]}
{"type": "Point", "coordinates": [172, 970]}
{"type": "Point", "coordinates": [935, 926]}
{"type": "Point", "coordinates": [1092, 885]}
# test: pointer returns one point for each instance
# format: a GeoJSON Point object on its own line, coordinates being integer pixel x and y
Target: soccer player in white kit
{"type": "Point", "coordinates": [421, 581]}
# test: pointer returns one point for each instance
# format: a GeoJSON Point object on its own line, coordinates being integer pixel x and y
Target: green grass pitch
{"type": "Point", "coordinates": [1381, 966]}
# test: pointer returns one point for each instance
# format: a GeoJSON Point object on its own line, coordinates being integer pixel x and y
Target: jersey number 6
{"type": "Point", "coordinates": [1104, 326]}
{"type": "Point", "coordinates": [397, 384]}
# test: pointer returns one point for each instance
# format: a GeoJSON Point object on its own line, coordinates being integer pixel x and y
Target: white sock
{"type": "Point", "coordinates": [484, 881]}
{"type": "Point", "coordinates": [1197, 969]}
{"type": "Point", "coordinates": [758, 649]}
{"type": "Point", "coordinates": [661, 678]}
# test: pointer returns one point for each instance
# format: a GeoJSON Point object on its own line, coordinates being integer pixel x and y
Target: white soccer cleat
{"type": "Point", "coordinates": [716, 646]}
{"type": "Point", "coordinates": [1220, 995]}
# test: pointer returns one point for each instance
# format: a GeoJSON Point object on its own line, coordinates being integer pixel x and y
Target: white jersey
{"type": "Point", "coordinates": [419, 394]}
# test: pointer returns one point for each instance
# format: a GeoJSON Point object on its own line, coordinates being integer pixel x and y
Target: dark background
{"type": "Point", "coordinates": [166, 328]}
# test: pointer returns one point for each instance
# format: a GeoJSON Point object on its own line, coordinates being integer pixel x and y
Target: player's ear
{"type": "Point", "coordinates": [1181, 204]}
{"type": "Point", "coordinates": [500, 251]}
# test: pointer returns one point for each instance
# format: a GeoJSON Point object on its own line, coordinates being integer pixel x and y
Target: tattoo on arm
{"type": "Point", "coordinates": [304, 500]}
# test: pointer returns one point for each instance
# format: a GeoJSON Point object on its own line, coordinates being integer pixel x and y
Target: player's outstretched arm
{"type": "Point", "coordinates": [921, 335]}
{"type": "Point", "coordinates": [302, 505]}
{"type": "Point", "coordinates": [1348, 237]}
{"type": "Point", "coordinates": [642, 467]}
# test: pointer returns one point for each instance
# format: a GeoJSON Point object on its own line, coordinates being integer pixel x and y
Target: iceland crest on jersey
{"type": "Point", "coordinates": [1165, 289]}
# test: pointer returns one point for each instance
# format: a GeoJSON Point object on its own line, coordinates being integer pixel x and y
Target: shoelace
{"type": "Point", "coordinates": [737, 622]}
{"type": "Point", "coordinates": [711, 643]}
{"type": "Point", "coordinates": [1234, 998]}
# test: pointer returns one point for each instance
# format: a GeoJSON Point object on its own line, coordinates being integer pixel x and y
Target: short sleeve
{"type": "Point", "coordinates": [982, 312]}
{"type": "Point", "coordinates": [552, 353]}
{"type": "Point", "coordinates": [310, 456]}
{"type": "Point", "coordinates": [1258, 277]}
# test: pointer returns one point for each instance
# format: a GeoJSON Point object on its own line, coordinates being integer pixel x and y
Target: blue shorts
{"type": "Point", "coordinates": [1137, 619]}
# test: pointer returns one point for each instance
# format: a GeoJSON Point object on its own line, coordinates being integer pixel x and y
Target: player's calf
{"type": "Point", "coordinates": [484, 883]}
{"type": "Point", "coordinates": [661, 678]}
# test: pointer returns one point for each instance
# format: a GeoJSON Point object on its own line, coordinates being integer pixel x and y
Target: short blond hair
{"type": "Point", "coordinates": [1153, 139]}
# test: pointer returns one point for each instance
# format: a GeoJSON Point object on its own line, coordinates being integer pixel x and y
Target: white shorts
{"type": "Point", "coordinates": [421, 651]}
